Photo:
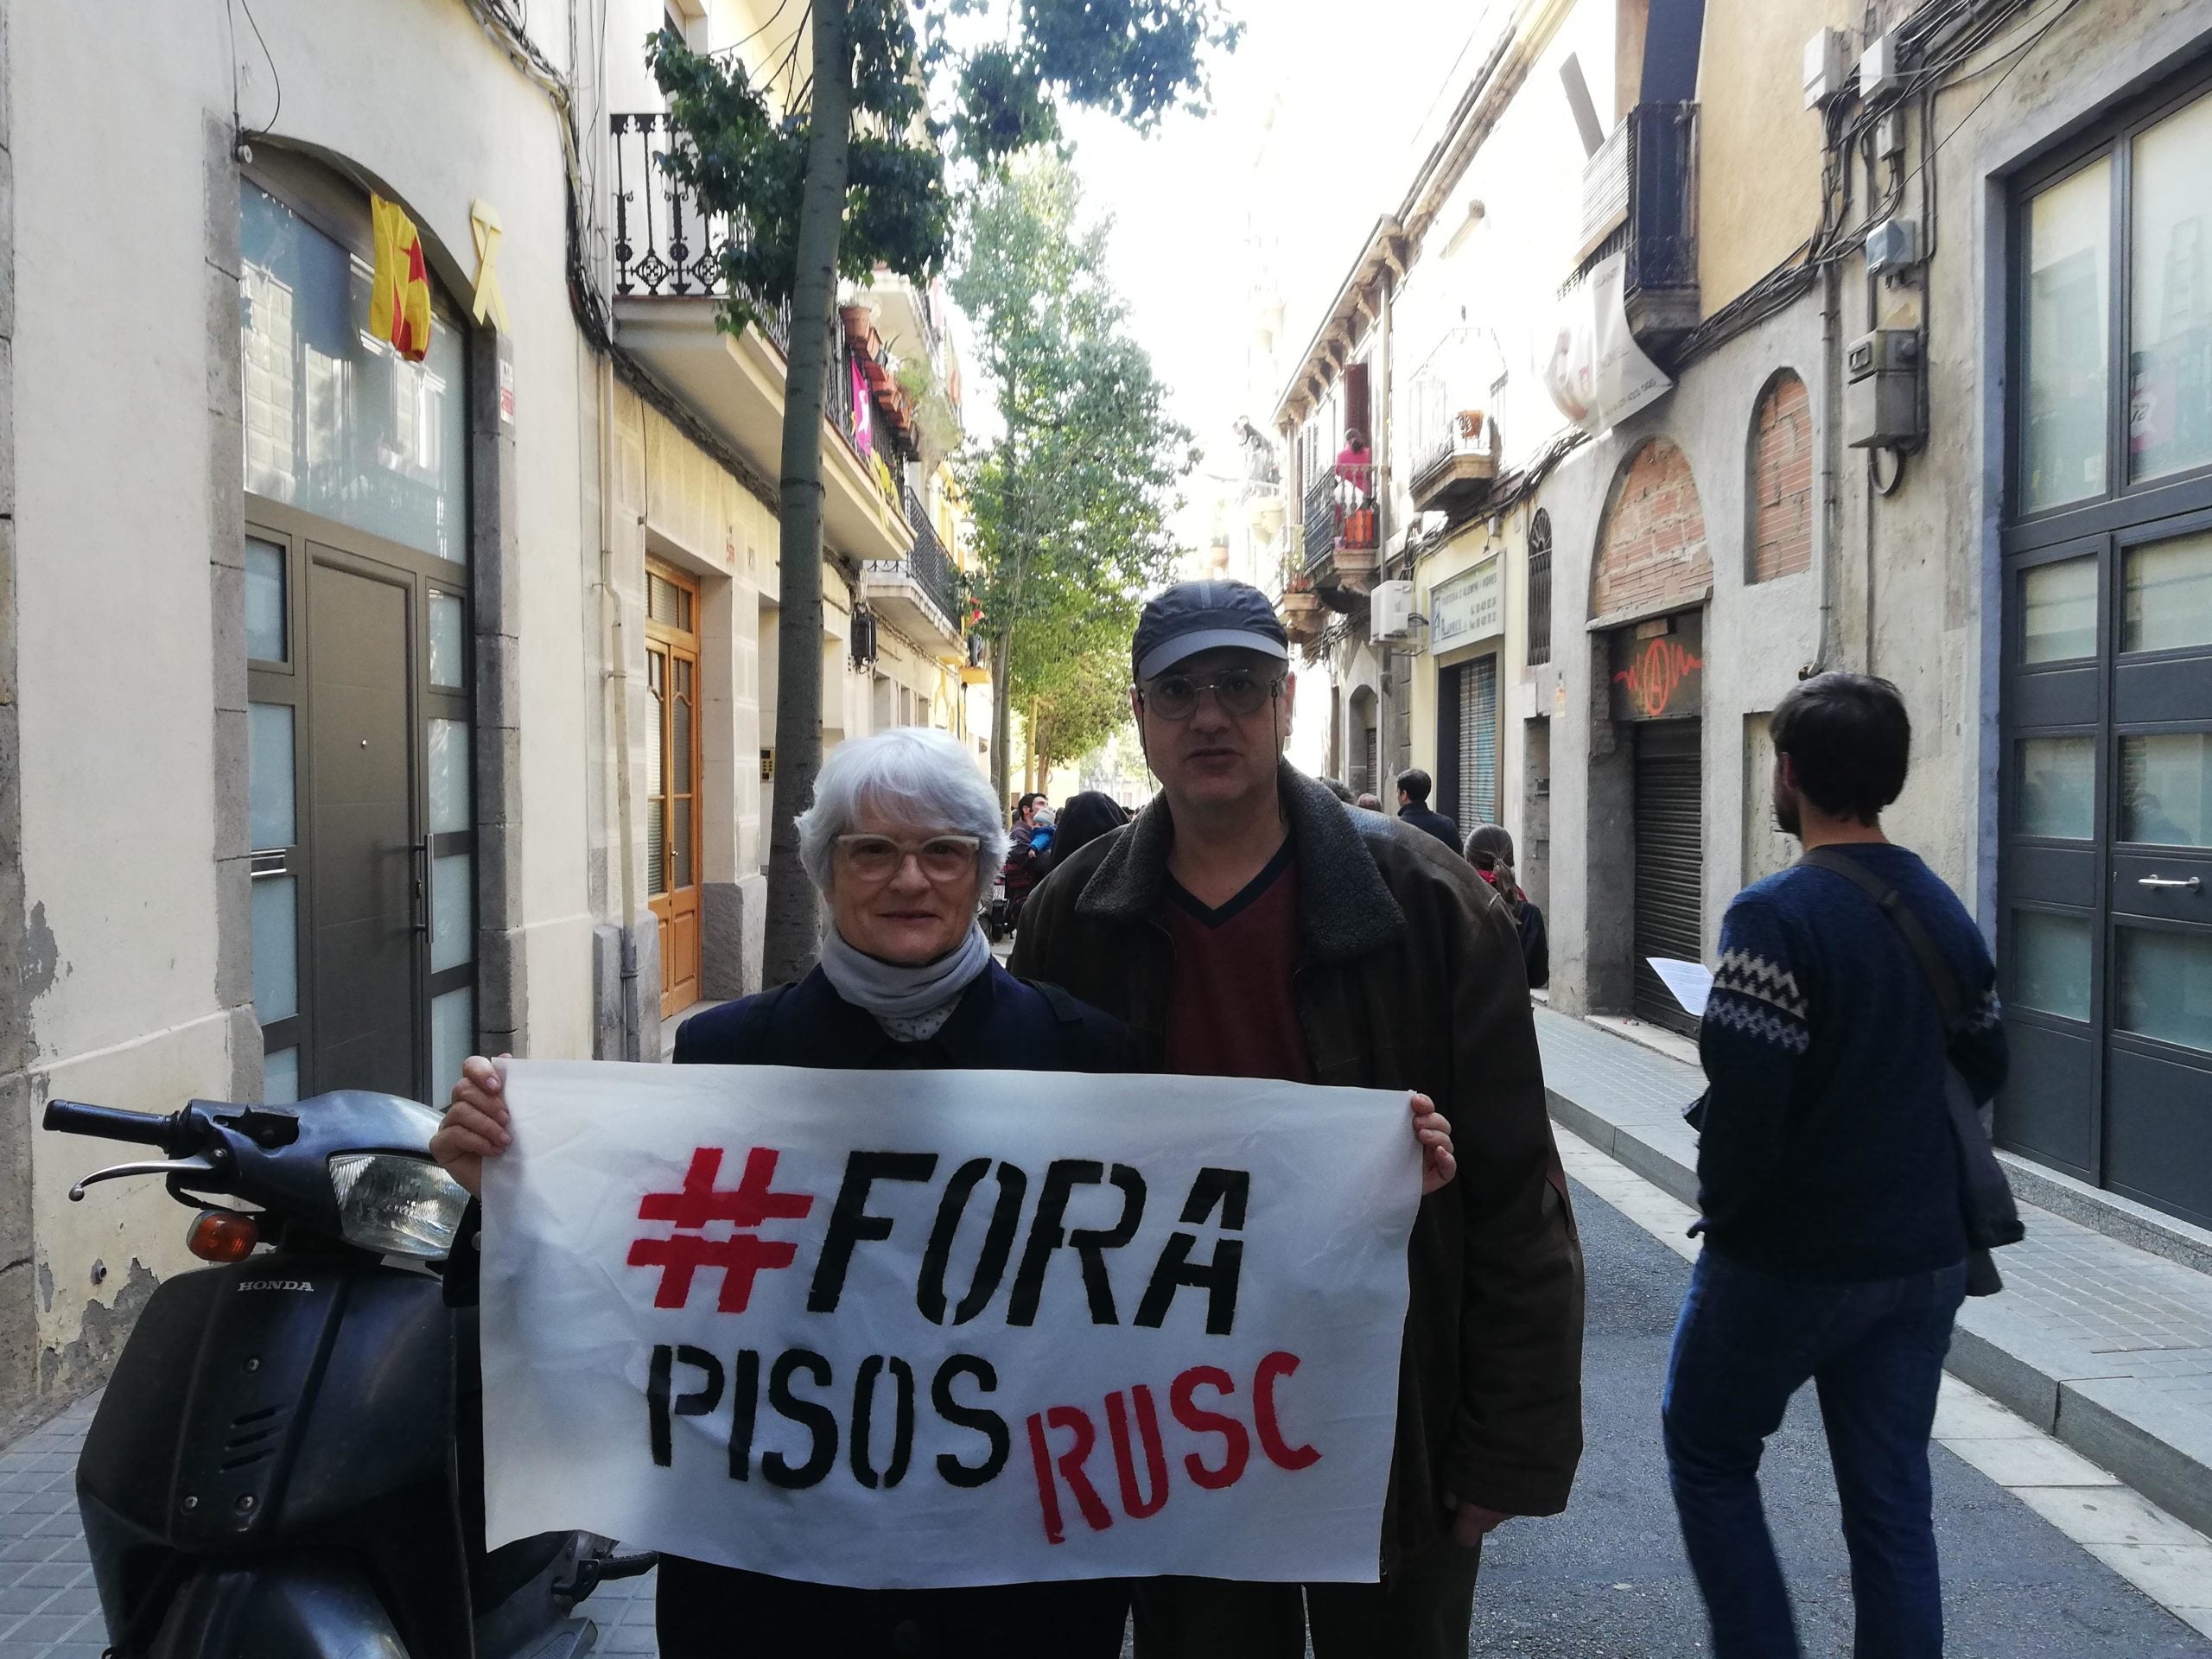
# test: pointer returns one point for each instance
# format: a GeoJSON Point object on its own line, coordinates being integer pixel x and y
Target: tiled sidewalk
{"type": "Point", "coordinates": [47, 1606]}
{"type": "Point", "coordinates": [2106, 1346]}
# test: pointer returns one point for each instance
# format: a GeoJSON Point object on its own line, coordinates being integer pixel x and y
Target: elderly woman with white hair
{"type": "Point", "coordinates": [903, 836]}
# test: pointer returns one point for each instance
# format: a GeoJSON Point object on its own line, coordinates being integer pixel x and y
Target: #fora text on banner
{"type": "Point", "coordinates": [929, 1328]}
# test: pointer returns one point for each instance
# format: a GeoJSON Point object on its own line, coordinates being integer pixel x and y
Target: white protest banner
{"type": "Point", "coordinates": [926, 1328]}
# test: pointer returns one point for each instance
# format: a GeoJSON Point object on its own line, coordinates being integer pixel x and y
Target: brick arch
{"type": "Point", "coordinates": [1778, 541]}
{"type": "Point", "coordinates": [1651, 553]}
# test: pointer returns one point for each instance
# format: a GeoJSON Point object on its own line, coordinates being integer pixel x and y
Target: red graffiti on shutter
{"type": "Point", "coordinates": [1653, 677]}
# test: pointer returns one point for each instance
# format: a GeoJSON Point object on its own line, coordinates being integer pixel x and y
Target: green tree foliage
{"type": "Point", "coordinates": [1071, 501]}
{"type": "Point", "coordinates": [853, 175]}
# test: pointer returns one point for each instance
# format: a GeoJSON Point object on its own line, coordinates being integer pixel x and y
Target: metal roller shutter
{"type": "Point", "coordinates": [1669, 862]}
{"type": "Point", "coordinates": [1475, 800]}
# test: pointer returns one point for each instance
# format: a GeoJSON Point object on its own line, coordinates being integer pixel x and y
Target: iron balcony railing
{"type": "Point", "coordinates": [665, 246]}
{"type": "Point", "coordinates": [931, 565]}
{"type": "Point", "coordinates": [1342, 511]}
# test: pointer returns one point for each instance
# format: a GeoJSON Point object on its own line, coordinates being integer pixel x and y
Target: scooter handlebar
{"type": "Point", "coordinates": [109, 1122]}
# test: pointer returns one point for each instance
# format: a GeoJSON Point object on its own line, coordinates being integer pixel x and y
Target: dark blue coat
{"type": "Point", "coordinates": [1002, 1024]}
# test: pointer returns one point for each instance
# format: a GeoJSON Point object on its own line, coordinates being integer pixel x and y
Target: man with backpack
{"type": "Point", "coordinates": [1830, 1184]}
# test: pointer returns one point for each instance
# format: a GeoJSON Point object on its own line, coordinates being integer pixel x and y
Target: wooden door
{"type": "Point", "coordinates": [672, 822]}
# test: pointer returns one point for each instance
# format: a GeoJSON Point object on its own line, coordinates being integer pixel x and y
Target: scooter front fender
{"type": "Point", "coordinates": [305, 1608]}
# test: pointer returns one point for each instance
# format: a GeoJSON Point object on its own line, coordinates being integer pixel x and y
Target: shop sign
{"type": "Point", "coordinates": [1658, 668]}
{"type": "Point", "coordinates": [1468, 607]}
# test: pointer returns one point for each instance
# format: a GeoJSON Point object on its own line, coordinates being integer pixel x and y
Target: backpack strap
{"type": "Point", "coordinates": [1943, 979]}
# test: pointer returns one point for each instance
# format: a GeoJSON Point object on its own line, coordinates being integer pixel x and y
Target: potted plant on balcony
{"type": "Point", "coordinates": [860, 322]}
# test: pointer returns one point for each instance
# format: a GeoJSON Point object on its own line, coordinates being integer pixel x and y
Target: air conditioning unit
{"type": "Point", "coordinates": [1390, 613]}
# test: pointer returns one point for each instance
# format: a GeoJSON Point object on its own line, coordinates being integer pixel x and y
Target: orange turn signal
{"type": "Point", "coordinates": [222, 1235]}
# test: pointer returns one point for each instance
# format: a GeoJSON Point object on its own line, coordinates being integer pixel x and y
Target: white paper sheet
{"type": "Point", "coordinates": [1690, 982]}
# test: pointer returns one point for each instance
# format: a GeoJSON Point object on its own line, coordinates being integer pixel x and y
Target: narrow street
{"type": "Point", "coordinates": [1606, 1580]}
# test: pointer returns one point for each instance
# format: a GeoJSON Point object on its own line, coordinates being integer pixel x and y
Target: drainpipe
{"type": "Point", "coordinates": [1828, 462]}
{"type": "Point", "coordinates": [618, 677]}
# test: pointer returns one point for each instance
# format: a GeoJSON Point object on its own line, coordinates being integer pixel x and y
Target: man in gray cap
{"type": "Point", "coordinates": [1247, 925]}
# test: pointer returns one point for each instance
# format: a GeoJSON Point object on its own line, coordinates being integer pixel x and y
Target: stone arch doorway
{"type": "Point", "coordinates": [1650, 579]}
{"type": "Point", "coordinates": [1362, 741]}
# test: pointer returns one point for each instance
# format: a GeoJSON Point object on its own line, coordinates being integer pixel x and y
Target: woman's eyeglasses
{"type": "Point", "coordinates": [1483, 861]}
{"type": "Point", "coordinates": [878, 858]}
{"type": "Point", "coordinates": [1238, 690]}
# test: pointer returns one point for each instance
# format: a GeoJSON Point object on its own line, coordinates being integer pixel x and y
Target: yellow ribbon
{"type": "Point", "coordinates": [484, 226]}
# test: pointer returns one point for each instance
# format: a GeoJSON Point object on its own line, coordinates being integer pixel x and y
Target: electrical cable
{"type": "Point", "coordinates": [277, 79]}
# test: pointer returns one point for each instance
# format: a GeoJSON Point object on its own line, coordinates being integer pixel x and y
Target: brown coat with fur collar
{"type": "Point", "coordinates": [1409, 977]}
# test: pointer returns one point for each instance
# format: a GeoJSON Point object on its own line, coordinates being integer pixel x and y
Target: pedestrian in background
{"type": "Point", "coordinates": [1414, 787]}
{"type": "Point", "coordinates": [1369, 803]}
{"type": "Point", "coordinates": [1489, 849]}
{"type": "Point", "coordinates": [1247, 925]}
{"type": "Point", "coordinates": [1828, 1184]}
{"type": "Point", "coordinates": [1082, 819]}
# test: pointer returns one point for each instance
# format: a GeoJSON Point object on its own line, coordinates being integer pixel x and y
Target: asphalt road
{"type": "Point", "coordinates": [1608, 1578]}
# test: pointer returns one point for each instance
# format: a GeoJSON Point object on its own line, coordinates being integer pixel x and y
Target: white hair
{"type": "Point", "coordinates": [910, 774]}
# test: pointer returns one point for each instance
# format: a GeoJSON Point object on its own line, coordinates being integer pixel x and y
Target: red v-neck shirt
{"type": "Point", "coordinates": [1230, 1012]}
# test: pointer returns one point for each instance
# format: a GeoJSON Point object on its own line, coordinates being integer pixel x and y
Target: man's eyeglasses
{"type": "Point", "coordinates": [876, 859]}
{"type": "Point", "coordinates": [1238, 690]}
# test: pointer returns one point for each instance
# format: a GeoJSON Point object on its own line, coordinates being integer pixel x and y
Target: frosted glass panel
{"type": "Point", "coordinates": [2069, 320]}
{"type": "Point", "coordinates": [2058, 611]}
{"type": "Point", "coordinates": [453, 881]}
{"type": "Point", "coordinates": [2166, 789]}
{"type": "Point", "coordinates": [2059, 786]}
{"type": "Point", "coordinates": [264, 601]}
{"type": "Point", "coordinates": [2164, 986]}
{"type": "Point", "coordinates": [276, 948]}
{"type": "Point", "coordinates": [2051, 962]}
{"type": "Point", "coordinates": [453, 1036]}
{"type": "Point", "coordinates": [2167, 594]}
{"type": "Point", "coordinates": [2170, 387]}
{"type": "Point", "coordinates": [268, 774]}
{"type": "Point", "coordinates": [280, 1077]}
{"type": "Point", "coordinates": [445, 640]}
{"type": "Point", "coordinates": [336, 422]}
{"type": "Point", "coordinates": [449, 776]}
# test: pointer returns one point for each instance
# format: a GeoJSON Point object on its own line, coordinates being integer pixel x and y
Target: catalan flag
{"type": "Point", "coordinates": [399, 298]}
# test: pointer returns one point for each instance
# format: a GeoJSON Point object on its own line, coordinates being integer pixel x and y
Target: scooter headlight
{"type": "Point", "coordinates": [396, 1205]}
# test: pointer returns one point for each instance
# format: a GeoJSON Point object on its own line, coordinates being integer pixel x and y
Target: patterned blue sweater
{"type": "Point", "coordinates": [1826, 1150]}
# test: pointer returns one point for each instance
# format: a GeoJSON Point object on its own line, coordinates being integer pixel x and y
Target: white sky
{"type": "Point", "coordinates": [1352, 88]}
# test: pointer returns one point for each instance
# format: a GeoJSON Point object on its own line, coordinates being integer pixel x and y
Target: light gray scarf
{"type": "Point", "coordinates": [890, 991]}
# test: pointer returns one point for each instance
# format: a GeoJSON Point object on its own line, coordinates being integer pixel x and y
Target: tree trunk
{"type": "Point", "coordinates": [1002, 719]}
{"type": "Point", "coordinates": [793, 928]}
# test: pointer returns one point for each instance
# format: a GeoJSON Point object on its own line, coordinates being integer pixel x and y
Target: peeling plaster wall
{"type": "Point", "coordinates": [120, 889]}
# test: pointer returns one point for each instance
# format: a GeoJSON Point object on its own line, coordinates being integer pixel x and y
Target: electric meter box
{"type": "Point", "coordinates": [1881, 399]}
{"type": "Point", "coordinates": [1827, 67]}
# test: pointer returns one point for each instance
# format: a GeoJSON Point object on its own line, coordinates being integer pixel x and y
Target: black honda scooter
{"type": "Point", "coordinates": [287, 1461]}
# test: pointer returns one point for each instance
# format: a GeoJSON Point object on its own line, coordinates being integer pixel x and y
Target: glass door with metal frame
{"type": "Point", "coordinates": [2105, 933]}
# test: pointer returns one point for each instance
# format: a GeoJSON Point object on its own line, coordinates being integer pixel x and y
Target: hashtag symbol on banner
{"type": "Point", "coordinates": [687, 1250]}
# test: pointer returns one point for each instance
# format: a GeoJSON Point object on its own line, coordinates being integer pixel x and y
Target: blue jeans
{"type": "Point", "coordinates": [1747, 1341]}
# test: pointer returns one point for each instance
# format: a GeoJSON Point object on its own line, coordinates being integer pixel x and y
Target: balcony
{"type": "Point", "coordinates": [919, 595]}
{"type": "Point", "coordinates": [668, 285]}
{"type": "Point", "coordinates": [1454, 444]}
{"type": "Point", "coordinates": [1343, 526]}
{"type": "Point", "coordinates": [1639, 197]}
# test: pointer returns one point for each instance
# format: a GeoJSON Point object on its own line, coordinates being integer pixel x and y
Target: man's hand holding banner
{"type": "Point", "coordinates": [935, 1328]}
